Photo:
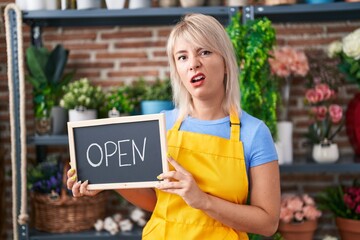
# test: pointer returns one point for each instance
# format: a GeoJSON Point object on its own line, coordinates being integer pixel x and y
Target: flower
{"type": "Point", "coordinates": [81, 94]}
{"type": "Point", "coordinates": [326, 116]}
{"type": "Point", "coordinates": [298, 208]}
{"type": "Point", "coordinates": [288, 61]}
{"type": "Point", "coordinates": [343, 200]}
{"type": "Point", "coordinates": [348, 51]}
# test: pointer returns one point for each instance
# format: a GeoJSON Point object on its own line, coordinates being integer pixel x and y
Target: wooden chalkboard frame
{"type": "Point", "coordinates": [160, 118]}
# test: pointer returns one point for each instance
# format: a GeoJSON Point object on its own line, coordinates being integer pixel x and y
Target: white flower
{"type": "Point", "coordinates": [351, 44]}
{"type": "Point", "coordinates": [334, 49]}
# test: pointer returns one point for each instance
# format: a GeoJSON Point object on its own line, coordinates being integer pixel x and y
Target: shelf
{"type": "Point", "coordinates": [321, 168]}
{"type": "Point", "coordinates": [123, 17]}
{"type": "Point", "coordinates": [48, 140]}
{"type": "Point", "coordinates": [337, 11]}
{"type": "Point", "coordinates": [91, 234]}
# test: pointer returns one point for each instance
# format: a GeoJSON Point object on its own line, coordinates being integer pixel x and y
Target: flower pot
{"type": "Point", "coordinates": [237, 2]}
{"type": "Point", "coordinates": [349, 229]}
{"type": "Point", "coordinates": [139, 4]}
{"type": "Point", "coordinates": [59, 119]}
{"type": "Point", "coordinates": [168, 3]}
{"type": "Point", "coordinates": [285, 132]}
{"type": "Point", "coordinates": [43, 125]}
{"type": "Point", "coordinates": [318, 1]}
{"type": "Point", "coordinates": [88, 4]}
{"type": "Point", "coordinates": [298, 231]}
{"type": "Point", "coordinates": [80, 115]}
{"type": "Point", "coordinates": [115, 4]}
{"type": "Point", "coordinates": [353, 124]}
{"type": "Point", "coordinates": [36, 5]}
{"type": "Point", "coordinates": [325, 153]}
{"type": "Point", "coordinates": [150, 107]}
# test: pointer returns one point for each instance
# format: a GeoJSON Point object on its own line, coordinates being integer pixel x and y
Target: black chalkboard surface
{"type": "Point", "coordinates": [121, 152]}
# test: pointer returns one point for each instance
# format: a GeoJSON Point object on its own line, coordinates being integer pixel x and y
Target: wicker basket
{"type": "Point", "coordinates": [67, 214]}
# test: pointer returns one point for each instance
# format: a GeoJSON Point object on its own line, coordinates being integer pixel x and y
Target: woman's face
{"type": "Point", "coordinates": [200, 70]}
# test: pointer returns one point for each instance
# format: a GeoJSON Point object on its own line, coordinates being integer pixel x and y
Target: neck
{"type": "Point", "coordinates": [205, 111]}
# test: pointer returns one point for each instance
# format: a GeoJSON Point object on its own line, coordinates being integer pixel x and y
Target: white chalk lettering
{"type": "Point", "coordinates": [88, 157]}
{"type": "Point", "coordinates": [122, 154]}
{"type": "Point", "coordinates": [142, 156]}
{"type": "Point", "coordinates": [106, 151]}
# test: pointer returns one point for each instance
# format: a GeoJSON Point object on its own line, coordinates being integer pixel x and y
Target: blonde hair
{"type": "Point", "coordinates": [204, 32]}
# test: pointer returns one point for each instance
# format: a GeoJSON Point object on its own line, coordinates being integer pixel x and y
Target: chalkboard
{"type": "Point", "coordinates": [120, 152]}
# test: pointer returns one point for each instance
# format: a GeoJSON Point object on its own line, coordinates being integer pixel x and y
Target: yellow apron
{"type": "Point", "coordinates": [218, 166]}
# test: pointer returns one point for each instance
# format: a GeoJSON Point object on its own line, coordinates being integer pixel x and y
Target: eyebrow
{"type": "Point", "coordinates": [184, 51]}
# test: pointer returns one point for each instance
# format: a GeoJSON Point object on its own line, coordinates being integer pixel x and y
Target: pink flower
{"type": "Point", "coordinates": [321, 113]}
{"type": "Point", "coordinates": [325, 91]}
{"type": "Point", "coordinates": [308, 200]}
{"type": "Point", "coordinates": [336, 113]}
{"type": "Point", "coordinates": [286, 215]}
{"type": "Point", "coordinates": [313, 96]}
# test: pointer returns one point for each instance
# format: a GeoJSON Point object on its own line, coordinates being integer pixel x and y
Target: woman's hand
{"type": "Point", "coordinates": [182, 183]}
{"type": "Point", "coordinates": [78, 189]}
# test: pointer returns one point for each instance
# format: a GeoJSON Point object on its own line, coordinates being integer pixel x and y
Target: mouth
{"type": "Point", "coordinates": [197, 79]}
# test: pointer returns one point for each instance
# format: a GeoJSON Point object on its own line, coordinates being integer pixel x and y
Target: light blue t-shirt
{"type": "Point", "coordinates": [258, 143]}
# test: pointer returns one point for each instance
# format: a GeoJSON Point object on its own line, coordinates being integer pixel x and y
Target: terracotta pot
{"type": "Point", "coordinates": [298, 231]}
{"type": "Point", "coordinates": [353, 123]}
{"type": "Point", "coordinates": [349, 229]}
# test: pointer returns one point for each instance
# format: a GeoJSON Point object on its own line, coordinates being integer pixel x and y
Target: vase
{"type": "Point", "coordinates": [115, 4]}
{"type": "Point", "coordinates": [298, 231]}
{"type": "Point", "coordinates": [348, 229]}
{"type": "Point", "coordinates": [285, 130]}
{"type": "Point", "coordinates": [59, 119]}
{"type": "Point", "coordinates": [235, 3]}
{"type": "Point", "coordinates": [88, 4]}
{"type": "Point", "coordinates": [352, 123]}
{"type": "Point", "coordinates": [36, 5]}
{"type": "Point", "coordinates": [81, 115]}
{"type": "Point", "coordinates": [154, 106]}
{"type": "Point", "coordinates": [139, 4]}
{"type": "Point", "coordinates": [325, 152]}
{"type": "Point", "coordinates": [192, 3]}
{"type": "Point", "coordinates": [168, 3]}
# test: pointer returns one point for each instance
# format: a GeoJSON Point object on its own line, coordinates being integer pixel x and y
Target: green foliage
{"type": "Point", "coordinates": [351, 68]}
{"type": "Point", "coordinates": [119, 99]}
{"type": "Point", "coordinates": [46, 74]}
{"type": "Point", "coordinates": [159, 90]}
{"type": "Point", "coordinates": [82, 94]}
{"type": "Point", "coordinates": [259, 91]}
{"type": "Point", "coordinates": [332, 199]}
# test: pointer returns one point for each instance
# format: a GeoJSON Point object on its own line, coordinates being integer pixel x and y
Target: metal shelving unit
{"type": "Point", "coordinates": [168, 16]}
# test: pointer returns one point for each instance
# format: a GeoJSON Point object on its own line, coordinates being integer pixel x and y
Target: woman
{"type": "Point", "coordinates": [216, 159]}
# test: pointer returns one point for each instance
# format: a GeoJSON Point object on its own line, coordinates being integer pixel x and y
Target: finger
{"type": "Point", "coordinates": [171, 175]}
{"type": "Point", "coordinates": [70, 172]}
{"type": "Point", "coordinates": [83, 187]}
{"type": "Point", "coordinates": [169, 185]}
{"type": "Point", "coordinates": [76, 189]}
{"type": "Point", "coordinates": [177, 166]}
{"type": "Point", "coordinates": [70, 182]}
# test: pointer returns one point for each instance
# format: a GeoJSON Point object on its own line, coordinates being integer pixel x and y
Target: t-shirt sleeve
{"type": "Point", "coordinates": [262, 147]}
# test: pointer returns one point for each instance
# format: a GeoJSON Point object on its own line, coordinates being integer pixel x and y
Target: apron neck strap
{"type": "Point", "coordinates": [234, 125]}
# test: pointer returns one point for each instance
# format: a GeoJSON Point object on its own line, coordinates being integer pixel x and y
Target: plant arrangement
{"type": "Point", "coordinates": [298, 208]}
{"type": "Point", "coordinates": [118, 99]}
{"type": "Point", "coordinates": [326, 116]}
{"type": "Point", "coordinates": [46, 75]}
{"type": "Point", "coordinates": [46, 177]}
{"type": "Point", "coordinates": [348, 51]}
{"type": "Point", "coordinates": [81, 94]}
{"type": "Point", "coordinates": [253, 42]}
{"type": "Point", "coordinates": [159, 90]}
{"type": "Point", "coordinates": [342, 201]}
{"type": "Point", "coordinates": [285, 63]}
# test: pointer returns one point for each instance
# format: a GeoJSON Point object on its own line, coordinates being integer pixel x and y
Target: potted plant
{"type": "Point", "coordinates": [157, 97]}
{"type": "Point", "coordinates": [343, 202]}
{"type": "Point", "coordinates": [118, 101]}
{"type": "Point", "coordinates": [326, 121]}
{"type": "Point", "coordinates": [348, 52]}
{"type": "Point", "coordinates": [298, 217]}
{"type": "Point", "coordinates": [82, 99]}
{"type": "Point", "coordinates": [46, 75]}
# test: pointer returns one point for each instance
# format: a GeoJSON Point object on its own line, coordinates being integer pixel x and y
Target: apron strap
{"type": "Point", "coordinates": [234, 126]}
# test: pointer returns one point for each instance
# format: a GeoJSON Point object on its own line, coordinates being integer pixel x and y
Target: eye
{"type": "Point", "coordinates": [181, 58]}
{"type": "Point", "coordinates": [205, 52]}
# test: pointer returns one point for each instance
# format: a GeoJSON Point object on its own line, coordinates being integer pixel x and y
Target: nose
{"type": "Point", "coordinates": [194, 64]}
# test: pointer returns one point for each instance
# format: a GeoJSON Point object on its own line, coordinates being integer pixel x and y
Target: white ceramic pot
{"type": "Point", "coordinates": [139, 4]}
{"type": "Point", "coordinates": [21, 4]}
{"type": "Point", "coordinates": [115, 4]}
{"type": "Point", "coordinates": [51, 4]}
{"type": "Point", "coordinates": [76, 115]}
{"type": "Point", "coordinates": [36, 5]}
{"type": "Point", "coordinates": [88, 4]}
{"type": "Point", "coordinates": [285, 135]}
{"type": "Point", "coordinates": [325, 153]}
{"type": "Point", "coordinates": [237, 2]}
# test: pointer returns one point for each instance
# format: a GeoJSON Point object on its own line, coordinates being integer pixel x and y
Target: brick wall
{"type": "Point", "coordinates": [111, 56]}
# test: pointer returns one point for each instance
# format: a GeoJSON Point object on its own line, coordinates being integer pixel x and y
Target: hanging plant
{"type": "Point", "coordinates": [253, 42]}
